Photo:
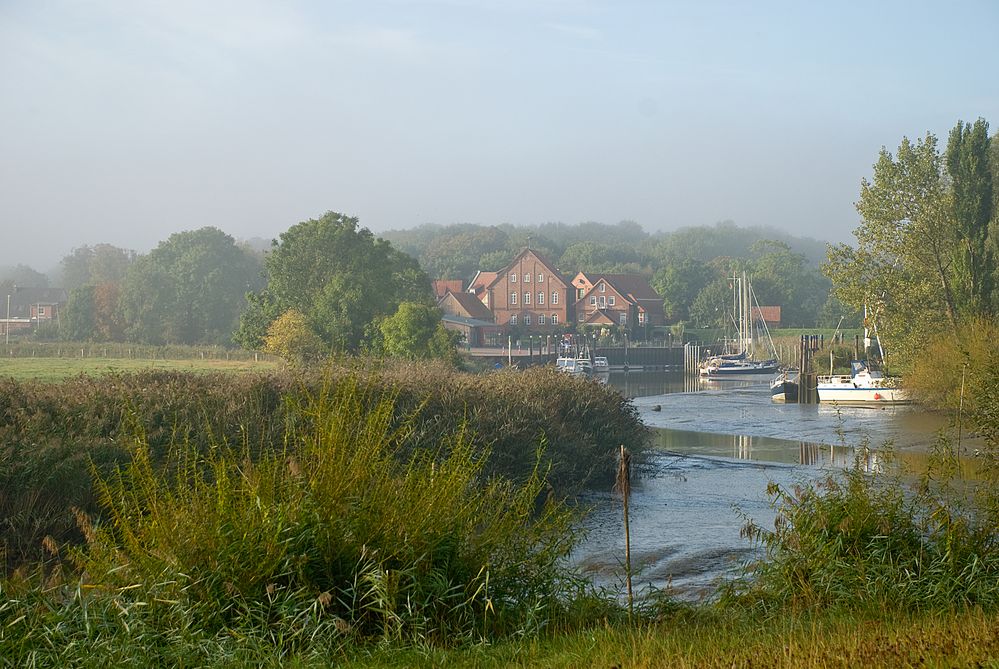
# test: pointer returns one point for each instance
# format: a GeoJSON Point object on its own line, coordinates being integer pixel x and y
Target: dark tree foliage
{"type": "Point", "coordinates": [339, 276]}
{"type": "Point", "coordinates": [190, 289]}
{"type": "Point", "coordinates": [968, 163]}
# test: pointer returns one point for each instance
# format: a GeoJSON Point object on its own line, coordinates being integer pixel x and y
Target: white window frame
{"type": "Point", "coordinates": [554, 297]}
{"type": "Point", "coordinates": [541, 319]}
{"type": "Point", "coordinates": [611, 300]}
{"type": "Point", "coordinates": [593, 300]}
{"type": "Point", "coordinates": [527, 297]}
{"type": "Point", "coordinates": [527, 319]}
{"type": "Point", "coordinates": [554, 319]}
{"type": "Point", "coordinates": [541, 297]}
{"type": "Point", "coordinates": [603, 287]}
{"type": "Point", "coordinates": [513, 277]}
{"type": "Point", "coordinates": [541, 278]}
{"type": "Point", "coordinates": [624, 318]}
{"type": "Point", "coordinates": [527, 277]}
{"type": "Point", "coordinates": [641, 317]}
{"type": "Point", "coordinates": [602, 301]}
{"type": "Point", "coordinates": [513, 297]}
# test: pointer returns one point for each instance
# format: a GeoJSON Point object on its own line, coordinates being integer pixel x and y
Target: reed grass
{"type": "Point", "coordinates": [879, 541]}
{"type": "Point", "coordinates": [331, 540]}
{"type": "Point", "coordinates": [50, 432]}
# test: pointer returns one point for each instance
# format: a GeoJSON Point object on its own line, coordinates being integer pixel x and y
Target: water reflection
{"type": "Point", "coordinates": [757, 449]}
{"type": "Point", "coordinates": [646, 384]}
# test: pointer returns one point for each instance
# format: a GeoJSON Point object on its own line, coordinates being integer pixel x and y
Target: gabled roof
{"type": "Point", "coordinates": [552, 270]}
{"type": "Point", "coordinates": [769, 314]}
{"type": "Point", "coordinates": [635, 286]}
{"type": "Point", "coordinates": [600, 317]}
{"type": "Point", "coordinates": [472, 306]}
{"type": "Point", "coordinates": [481, 281]}
{"type": "Point", "coordinates": [441, 286]}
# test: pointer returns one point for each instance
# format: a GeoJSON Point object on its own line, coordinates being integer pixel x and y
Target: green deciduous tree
{"type": "Point", "coordinates": [79, 318]}
{"type": "Point", "coordinates": [189, 289]}
{"type": "Point", "coordinates": [969, 166]}
{"type": "Point", "coordinates": [415, 331]}
{"type": "Point", "coordinates": [101, 263]}
{"type": "Point", "coordinates": [679, 282]}
{"type": "Point", "coordinates": [23, 276]}
{"type": "Point", "coordinates": [713, 305]}
{"type": "Point", "coordinates": [340, 277]}
{"type": "Point", "coordinates": [291, 338]}
{"type": "Point", "coordinates": [913, 255]}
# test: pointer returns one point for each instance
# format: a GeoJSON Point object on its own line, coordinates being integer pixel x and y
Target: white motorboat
{"type": "Point", "coordinates": [600, 365]}
{"type": "Point", "coordinates": [861, 387]}
{"type": "Point", "coordinates": [574, 366]}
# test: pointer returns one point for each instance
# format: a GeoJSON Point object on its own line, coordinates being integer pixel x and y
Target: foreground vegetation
{"type": "Point", "coordinates": [52, 434]}
{"type": "Point", "coordinates": [732, 639]}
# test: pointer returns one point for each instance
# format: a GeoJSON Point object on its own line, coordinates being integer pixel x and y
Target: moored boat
{"type": "Point", "coordinates": [600, 365]}
{"type": "Point", "coordinates": [719, 367]}
{"type": "Point", "coordinates": [861, 387]}
{"type": "Point", "coordinates": [784, 388]}
{"type": "Point", "coordinates": [574, 366]}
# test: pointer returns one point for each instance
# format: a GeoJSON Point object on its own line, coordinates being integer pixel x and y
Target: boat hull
{"type": "Point", "coordinates": [785, 391]}
{"type": "Point", "coordinates": [863, 396]}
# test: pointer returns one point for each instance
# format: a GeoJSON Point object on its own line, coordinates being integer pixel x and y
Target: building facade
{"type": "Point", "coordinates": [625, 300]}
{"type": "Point", "coordinates": [529, 294]}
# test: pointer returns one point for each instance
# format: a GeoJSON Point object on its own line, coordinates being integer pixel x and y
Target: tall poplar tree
{"type": "Point", "coordinates": [969, 166]}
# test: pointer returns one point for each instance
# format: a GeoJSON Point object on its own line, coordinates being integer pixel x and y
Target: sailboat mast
{"type": "Point", "coordinates": [747, 341]}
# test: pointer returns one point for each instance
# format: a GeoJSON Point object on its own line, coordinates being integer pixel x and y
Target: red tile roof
{"type": "Point", "coordinates": [768, 314]}
{"type": "Point", "coordinates": [441, 286]}
{"type": "Point", "coordinates": [481, 281]}
{"type": "Point", "coordinates": [470, 305]}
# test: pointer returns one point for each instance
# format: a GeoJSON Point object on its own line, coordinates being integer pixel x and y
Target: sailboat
{"type": "Point", "coordinates": [740, 363]}
{"type": "Point", "coordinates": [863, 386]}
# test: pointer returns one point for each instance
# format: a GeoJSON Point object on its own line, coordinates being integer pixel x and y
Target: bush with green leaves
{"type": "Point", "coordinates": [881, 541]}
{"type": "Point", "coordinates": [332, 539]}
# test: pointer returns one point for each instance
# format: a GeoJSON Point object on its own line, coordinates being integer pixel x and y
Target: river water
{"type": "Point", "coordinates": [717, 446]}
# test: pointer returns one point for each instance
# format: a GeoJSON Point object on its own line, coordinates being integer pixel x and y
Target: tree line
{"type": "Point", "coordinates": [328, 284]}
{"type": "Point", "coordinates": [690, 267]}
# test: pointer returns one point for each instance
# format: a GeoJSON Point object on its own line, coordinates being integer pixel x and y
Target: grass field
{"type": "Point", "coordinates": [55, 369]}
{"type": "Point", "coordinates": [966, 639]}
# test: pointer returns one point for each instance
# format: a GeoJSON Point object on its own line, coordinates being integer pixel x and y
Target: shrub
{"type": "Point", "coordinates": [881, 542]}
{"type": "Point", "coordinates": [50, 432]}
{"type": "Point", "coordinates": [331, 539]}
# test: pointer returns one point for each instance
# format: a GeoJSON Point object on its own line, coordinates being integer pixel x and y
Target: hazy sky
{"type": "Point", "coordinates": [123, 122]}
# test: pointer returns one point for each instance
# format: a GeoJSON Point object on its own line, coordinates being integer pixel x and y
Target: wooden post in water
{"type": "Point", "coordinates": [623, 485]}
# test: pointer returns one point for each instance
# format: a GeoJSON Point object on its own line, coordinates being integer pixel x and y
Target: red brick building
{"type": "Point", "coordinates": [626, 300]}
{"type": "Point", "coordinates": [529, 293]}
